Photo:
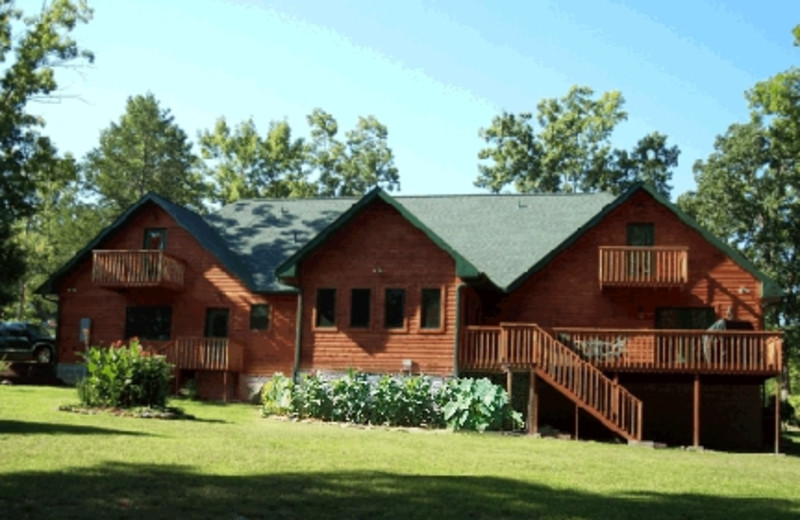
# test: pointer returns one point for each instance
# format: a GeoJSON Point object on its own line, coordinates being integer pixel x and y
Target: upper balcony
{"type": "Point", "coordinates": [643, 266]}
{"type": "Point", "coordinates": [127, 269]}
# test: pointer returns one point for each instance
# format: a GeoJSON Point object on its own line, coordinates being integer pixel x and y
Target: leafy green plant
{"type": "Point", "coordinates": [350, 396]}
{"type": "Point", "coordinates": [124, 376]}
{"type": "Point", "coordinates": [312, 397]}
{"type": "Point", "coordinates": [476, 404]}
{"type": "Point", "coordinates": [276, 396]}
{"type": "Point", "coordinates": [189, 390]}
{"type": "Point", "coordinates": [417, 402]}
{"type": "Point", "coordinates": [4, 365]}
{"type": "Point", "coordinates": [386, 398]}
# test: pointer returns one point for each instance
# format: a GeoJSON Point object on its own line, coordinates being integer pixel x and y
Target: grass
{"type": "Point", "coordinates": [230, 463]}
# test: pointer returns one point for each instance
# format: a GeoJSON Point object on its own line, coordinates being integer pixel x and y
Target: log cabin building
{"type": "Point", "coordinates": [618, 314]}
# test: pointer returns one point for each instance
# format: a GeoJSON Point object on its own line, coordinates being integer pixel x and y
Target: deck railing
{"type": "Point", "coordinates": [527, 346]}
{"type": "Point", "coordinates": [136, 268]}
{"type": "Point", "coordinates": [204, 354]}
{"type": "Point", "coordinates": [656, 266]}
{"type": "Point", "coordinates": [695, 351]}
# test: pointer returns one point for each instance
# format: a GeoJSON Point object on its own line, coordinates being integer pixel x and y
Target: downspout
{"type": "Point", "coordinates": [457, 342]}
{"type": "Point", "coordinates": [298, 335]}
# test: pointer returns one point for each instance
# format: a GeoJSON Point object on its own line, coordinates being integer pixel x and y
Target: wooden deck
{"type": "Point", "coordinates": [633, 350]}
{"type": "Point", "coordinates": [527, 347]}
{"type": "Point", "coordinates": [654, 266]}
{"type": "Point", "coordinates": [124, 269]}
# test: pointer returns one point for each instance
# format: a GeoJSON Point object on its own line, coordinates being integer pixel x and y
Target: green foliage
{"type": "Point", "coordinates": [571, 152]}
{"type": "Point", "coordinates": [276, 396]}
{"type": "Point", "coordinates": [28, 58]}
{"type": "Point", "coordinates": [476, 404]}
{"type": "Point", "coordinates": [124, 376]}
{"type": "Point", "coordinates": [245, 164]}
{"type": "Point", "coordinates": [394, 401]}
{"type": "Point", "coordinates": [312, 397]}
{"type": "Point", "coordinates": [189, 390]}
{"type": "Point", "coordinates": [145, 151]}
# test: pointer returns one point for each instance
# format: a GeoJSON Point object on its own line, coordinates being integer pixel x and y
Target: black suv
{"type": "Point", "coordinates": [26, 342]}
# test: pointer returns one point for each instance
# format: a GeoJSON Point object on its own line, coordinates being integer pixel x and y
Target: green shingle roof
{"type": "Point", "coordinates": [502, 238]}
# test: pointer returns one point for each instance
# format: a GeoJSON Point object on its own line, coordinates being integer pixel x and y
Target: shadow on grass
{"type": "Point", "coordinates": [153, 492]}
{"type": "Point", "coordinates": [22, 427]}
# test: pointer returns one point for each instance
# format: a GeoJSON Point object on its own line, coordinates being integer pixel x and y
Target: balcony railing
{"type": "Point", "coordinates": [136, 268]}
{"type": "Point", "coordinates": [198, 353]}
{"type": "Point", "coordinates": [632, 266]}
{"type": "Point", "coordinates": [634, 350]}
{"type": "Point", "coordinates": [703, 351]}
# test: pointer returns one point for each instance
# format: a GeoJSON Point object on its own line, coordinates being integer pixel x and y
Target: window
{"type": "Point", "coordinates": [155, 238]}
{"type": "Point", "coordinates": [259, 316]}
{"type": "Point", "coordinates": [684, 317]}
{"type": "Point", "coordinates": [641, 234]}
{"type": "Point", "coordinates": [431, 309]}
{"type": "Point", "coordinates": [359, 308]}
{"type": "Point", "coordinates": [217, 321]}
{"type": "Point", "coordinates": [152, 323]}
{"type": "Point", "coordinates": [395, 312]}
{"type": "Point", "coordinates": [326, 308]}
{"type": "Point", "coordinates": [641, 263]}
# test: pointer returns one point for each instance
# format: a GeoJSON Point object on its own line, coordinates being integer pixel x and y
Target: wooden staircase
{"type": "Point", "coordinates": [518, 347]}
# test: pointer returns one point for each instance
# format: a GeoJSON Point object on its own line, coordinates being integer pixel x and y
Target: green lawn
{"type": "Point", "coordinates": [231, 463]}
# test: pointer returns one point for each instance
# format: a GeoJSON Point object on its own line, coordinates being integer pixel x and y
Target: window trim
{"type": "Point", "coordinates": [268, 317]}
{"type": "Point", "coordinates": [442, 309]}
{"type": "Point", "coordinates": [315, 313]}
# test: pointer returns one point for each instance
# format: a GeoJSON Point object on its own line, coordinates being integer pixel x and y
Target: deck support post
{"type": "Point", "coordinates": [777, 414]}
{"type": "Point", "coordinates": [509, 382]}
{"type": "Point", "coordinates": [577, 416]}
{"type": "Point", "coordinates": [696, 412]}
{"type": "Point", "coordinates": [533, 406]}
{"type": "Point", "coordinates": [225, 386]}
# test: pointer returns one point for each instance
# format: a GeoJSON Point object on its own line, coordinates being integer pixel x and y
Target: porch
{"type": "Point", "coordinates": [203, 354]}
{"type": "Point", "coordinates": [494, 348]}
{"type": "Point", "coordinates": [125, 269]}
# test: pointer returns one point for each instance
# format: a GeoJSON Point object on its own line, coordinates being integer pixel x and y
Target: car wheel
{"type": "Point", "coordinates": [44, 355]}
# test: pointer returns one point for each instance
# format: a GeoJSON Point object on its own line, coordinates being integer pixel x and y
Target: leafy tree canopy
{"type": "Point", "coordinates": [571, 151]}
{"type": "Point", "coordinates": [145, 151]}
{"type": "Point", "coordinates": [31, 48]}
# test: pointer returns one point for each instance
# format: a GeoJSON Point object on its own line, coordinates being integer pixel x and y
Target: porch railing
{"type": "Point", "coordinates": [136, 268]}
{"type": "Point", "coordinates": [655, 266]}
{"type": "Point", "coordinates": [204, 354]}
{"type": "Point", "coordinates": [703, 351]}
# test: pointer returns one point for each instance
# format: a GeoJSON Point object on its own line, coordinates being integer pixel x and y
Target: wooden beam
{"type": "Point", "coordinates": [509, 382]}
{"type": "Point", "coordinates": [777, 414]}
{"type": "Point", "coordinates": [533, 406]}
{"type": "Point", "coordinates": [696, 412]}
{"type": "Point", "coordinates": [225, 385]}
{"type": "Point", "coordinates": [577, 413]}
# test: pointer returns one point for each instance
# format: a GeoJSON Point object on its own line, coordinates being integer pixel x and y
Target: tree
{"type": "Point", "coordinates": [352, 168]}
{"type": "Point", "coordinates": [748, 191]}
{"type": "Point", "coordinates": [29, 60]}
{"type": "Point", "coordinates": [572, 150]}
{"type": "Point", "coordinates": [145, 151]}
{"type": "Point", "coordinates": [245, 165]}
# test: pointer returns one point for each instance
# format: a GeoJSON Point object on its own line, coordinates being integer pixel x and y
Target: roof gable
{"type": "Point", "coordinates": [187, 219]}
{"type": "Point", "coordinates": [288, 268]}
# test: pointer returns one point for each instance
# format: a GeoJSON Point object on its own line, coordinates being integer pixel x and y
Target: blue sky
{"type": "Point", "coordinates": [433, 72]}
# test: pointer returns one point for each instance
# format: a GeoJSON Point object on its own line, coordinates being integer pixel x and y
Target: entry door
{"type": "Point", "coordinates": [217, 322]}
{"type": "Point", "coordinates": [641, 263]}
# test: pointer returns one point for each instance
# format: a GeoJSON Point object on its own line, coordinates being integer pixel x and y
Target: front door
{"type": "Point", "coordinates": [217, 321]}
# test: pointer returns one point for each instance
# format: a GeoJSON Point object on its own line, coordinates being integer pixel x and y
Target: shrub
{"type": "Point", "coordinates": [124, 376]}
{"type": "Point", "coordinates": [461, 404]}
{"type": "Point", "coordinates": [276, 396]}
{"type": "Point", "coordinates": [312, 398]}
{"type": "Point", "coordinates": [470, 404]}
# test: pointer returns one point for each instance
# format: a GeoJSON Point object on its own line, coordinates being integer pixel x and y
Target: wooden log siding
{"type": "Point", "coordinates": [139, 268]}
{"type": "Point", "coordinates": [656, 266]}
{"type": "Point", "coordinates": [527, 346]}
{"type": "Point", "coordinates": [687, 351]}
{"type": "Point", "coordinates": [204, 354]}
